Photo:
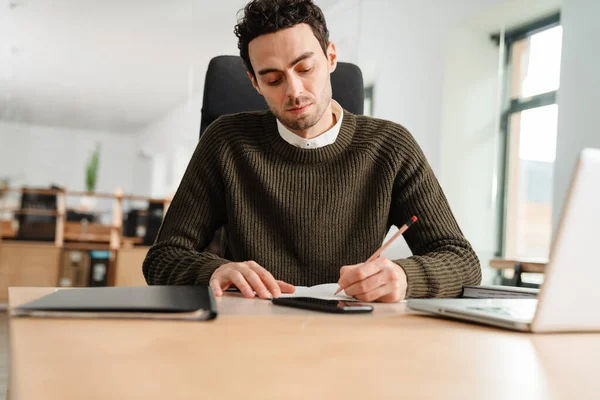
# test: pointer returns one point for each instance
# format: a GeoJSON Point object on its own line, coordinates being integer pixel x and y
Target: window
{"type": "Point", "coordinates": [368, 104]}
{"type": "Point", "coordinates": [529, 126]}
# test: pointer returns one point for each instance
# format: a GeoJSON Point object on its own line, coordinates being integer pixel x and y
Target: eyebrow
{"type": "Point", "coordinates": [304, 56]}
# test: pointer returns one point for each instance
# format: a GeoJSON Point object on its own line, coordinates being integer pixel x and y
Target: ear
{"type": "Point", "coordinates": [254, 83]}
{"type": "Point", "coordinates": [331, 57]}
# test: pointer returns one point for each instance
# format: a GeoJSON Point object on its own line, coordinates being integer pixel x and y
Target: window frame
{"type": "Point", "coordinates": [513, 106]}
{"type": "Point", "coordinates": [369, 95]}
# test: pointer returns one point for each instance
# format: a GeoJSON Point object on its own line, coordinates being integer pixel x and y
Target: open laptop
{"type": "Point", "coordinates": [570, 295]}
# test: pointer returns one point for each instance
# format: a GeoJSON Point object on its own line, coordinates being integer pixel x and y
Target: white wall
{"type": "Point", "coordinates": [469, 137]}
{"type": "Point", "coordinates": [167, 145]}
{"type": "Point", "coordinates": [41, 156]}
{"type": "Point", "coordinates": [579, 93]}
{"type": "Point", "coordinates": [400, 46]}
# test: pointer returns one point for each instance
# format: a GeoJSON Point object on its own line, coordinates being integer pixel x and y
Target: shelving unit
{"type": "Point", "coordinates": [73, 231]}
{"type": "Point", "coordinates": [34, 263]}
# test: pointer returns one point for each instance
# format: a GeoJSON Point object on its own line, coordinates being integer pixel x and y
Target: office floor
{"type": "Point", "coordinates": [3, 353]}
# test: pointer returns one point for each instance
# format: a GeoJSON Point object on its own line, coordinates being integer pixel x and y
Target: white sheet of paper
{"type": "Point", "coordinates": [323, 292]}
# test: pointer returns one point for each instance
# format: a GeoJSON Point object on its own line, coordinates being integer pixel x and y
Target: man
{"type": "Point", "coordinates": [307, 191]}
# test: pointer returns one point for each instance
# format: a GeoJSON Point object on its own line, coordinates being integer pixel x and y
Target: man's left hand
{"type": "Point", "coordinates": [379, 280]}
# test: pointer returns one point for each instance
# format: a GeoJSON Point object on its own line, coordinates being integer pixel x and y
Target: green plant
{"type": "Point", "coordinates": [91, 170]}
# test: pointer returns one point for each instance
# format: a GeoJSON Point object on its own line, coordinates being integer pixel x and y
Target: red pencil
{"type": "Point", "coordinates": [401, 231]}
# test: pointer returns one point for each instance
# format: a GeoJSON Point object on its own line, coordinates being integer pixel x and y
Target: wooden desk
{"type": "Point", "coordinates": [255, 350]}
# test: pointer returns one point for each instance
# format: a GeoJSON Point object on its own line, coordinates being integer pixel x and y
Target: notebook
{"type": "Point", "coordinates": [148, 302]}
{"type": "Point", "coordinates": [324, 292]}
{"type": "Point", "coordinates": [498, 292]}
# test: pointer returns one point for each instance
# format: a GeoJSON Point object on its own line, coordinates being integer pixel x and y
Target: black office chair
{"type": "Point", "coordinates": [228, 90]}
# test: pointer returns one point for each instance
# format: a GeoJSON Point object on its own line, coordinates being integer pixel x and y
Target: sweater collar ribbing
{"type": "Point", "coordinates": [312, 156]}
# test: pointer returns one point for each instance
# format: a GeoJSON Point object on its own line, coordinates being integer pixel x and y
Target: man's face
{"type": "Point", "coordinates": [292, 74]}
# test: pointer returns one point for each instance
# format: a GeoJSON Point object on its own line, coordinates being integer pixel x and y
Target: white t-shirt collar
{"type": "Point", "coordinates": [324, 139]}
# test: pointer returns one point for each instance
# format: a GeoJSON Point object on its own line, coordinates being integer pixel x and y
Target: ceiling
{"type": "Point", "coordinates": [511, 14]}
{"type": "Point", "coordinates": [108, 65]}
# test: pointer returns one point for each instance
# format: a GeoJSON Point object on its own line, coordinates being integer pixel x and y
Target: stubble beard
{"type": "Point", "coordinates": [308, 120]}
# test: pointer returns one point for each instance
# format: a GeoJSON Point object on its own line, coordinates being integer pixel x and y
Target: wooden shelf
{"type": "Point", "coordinates": [86, 246]}
{"type": "Point", "coordinates": [77, 210]}
{"type": "Point", "coordinates": [32, 211]}
{"type": "Point", "coordinates": [92, 194]}
{"type": "Point", "coordinates": [133, 239]}
{"type": "Point", "coordinates": [130, 242]}
{"type": "Point", "coordinates": [538, 266]}
{"type": "Point", "coordinates": [33, 191]}
{"type": "Point", "coordinates": [145, 198]}
{"type": "Point", "coordinates": [85, 194]}
{"type": "Point", "coordinates": [92, 227]}
{"type": "Point", "coordinates": [27, 244]}
{"type": "Point", "coordinates": [86, 237]}
{"type": "Point", "coordinates": [75, 231]}
{"type": "Point", "coordinates": [91, 232]}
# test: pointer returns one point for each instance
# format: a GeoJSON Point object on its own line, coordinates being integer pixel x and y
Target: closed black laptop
{"type": "Point", "coordinates": [153, 302]}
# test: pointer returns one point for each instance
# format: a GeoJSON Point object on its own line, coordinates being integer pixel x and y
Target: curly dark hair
{"type": "Point", "coordinates": [268, 16]}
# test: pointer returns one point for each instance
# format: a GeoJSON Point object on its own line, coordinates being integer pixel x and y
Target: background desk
{"type": "Point", "coordinates": [255, 350]}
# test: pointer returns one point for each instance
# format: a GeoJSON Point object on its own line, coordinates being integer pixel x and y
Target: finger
{"type": "Point", "coordinates": [237, 278]}
{"type": "Point", "coordinates": [389, 293]}
{"type": "Point", "coordinates": [286, 287]}
{"type": "Point", "coordinates": [347, 268]}
{"type": "Point", "coordinates": [267, 278]}
{"type": "Point", "coordinates": [368, 284]}
{"type": "Point", "coordinates": [393, 297]}
{"type": "Point", "coordinates": [255, 282]}
{"type": "Point", "coordinates": [357, 274]}
{"type": "Point", "coordinates": [216, 287]}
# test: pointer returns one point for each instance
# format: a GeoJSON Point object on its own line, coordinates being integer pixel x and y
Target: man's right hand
{"type": "Point", "coordinates": [248, 277]}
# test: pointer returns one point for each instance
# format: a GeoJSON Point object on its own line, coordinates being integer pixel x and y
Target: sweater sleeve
{"type": "Point", "coordinates": [196, 212]}
{"type": "Point", "coordinates": [443, 261]}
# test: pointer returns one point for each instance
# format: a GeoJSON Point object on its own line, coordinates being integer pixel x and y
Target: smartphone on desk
{"type": "Point", "coordinates": [330, 306]}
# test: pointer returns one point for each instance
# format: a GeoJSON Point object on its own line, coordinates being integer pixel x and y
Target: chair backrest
{"type": "Point", "coordinates": [228, 90]}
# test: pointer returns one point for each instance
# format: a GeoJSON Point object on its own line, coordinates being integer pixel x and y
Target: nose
{"type": "Point", "coordinates": [294, 87]}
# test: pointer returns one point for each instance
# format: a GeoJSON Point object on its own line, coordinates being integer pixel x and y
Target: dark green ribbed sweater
{"type": "Point", "coordinates": [302, 214]}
